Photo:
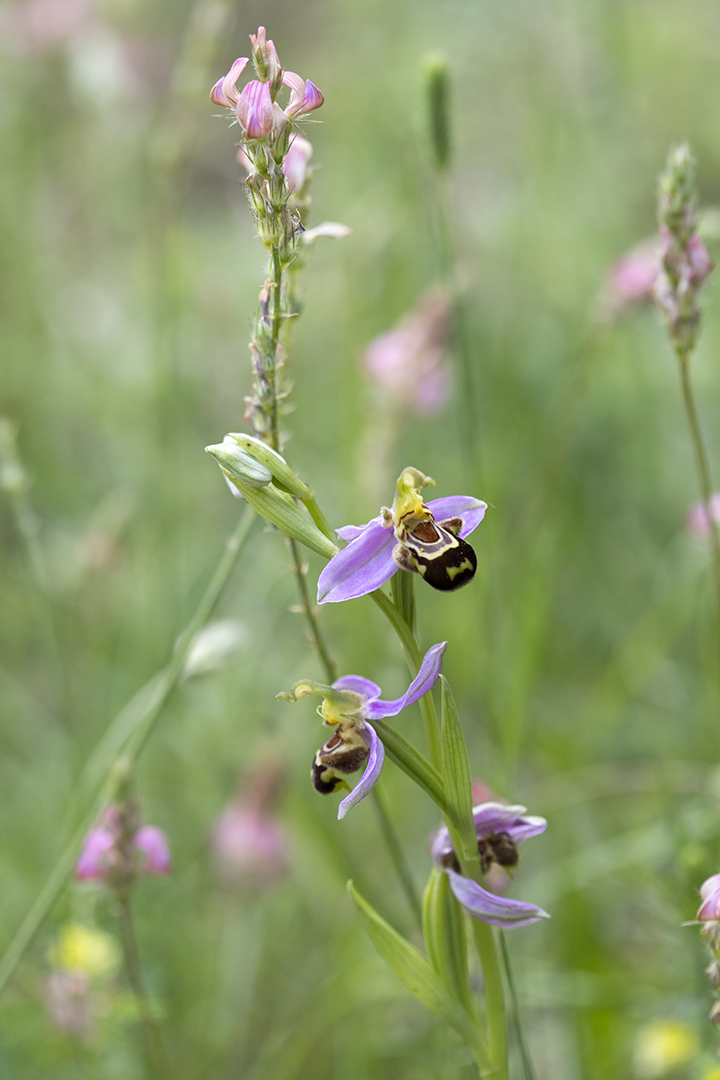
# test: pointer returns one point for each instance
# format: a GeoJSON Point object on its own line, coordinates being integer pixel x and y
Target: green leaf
{"type": "Point", "coordinates": [421, 979]}
{"type": "Point", "coordinates": [457, 781]}
{"type": "Point", "coordinates": [411, 761]}
{"type": "Point", "coordinates": [446, 937]}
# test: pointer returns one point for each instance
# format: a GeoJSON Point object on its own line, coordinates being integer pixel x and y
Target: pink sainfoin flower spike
{"type": "Point", "coordinates": [710, 893]}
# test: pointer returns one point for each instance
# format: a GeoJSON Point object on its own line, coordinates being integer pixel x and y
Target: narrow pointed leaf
{"type": "Point", "coordinates": [419, 977]}
{"type": "Point", "coordinates": [457, 781]}
{"type": "Point", "coordinates": [446, 937]}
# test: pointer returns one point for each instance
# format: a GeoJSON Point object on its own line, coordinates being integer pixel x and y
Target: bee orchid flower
{"type": "Point", "coordinates": [499, 829]}
{"type": "Point", "coordinates": [349, 706]}
{"type": "Point", "coordinates": [420, 538]}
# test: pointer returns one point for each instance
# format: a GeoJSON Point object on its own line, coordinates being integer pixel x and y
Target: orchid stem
{"type": "Point", "coordinates": [494, 996]}
{"type": "Point", "coordinates": [702, 465]}
{"type": "Point", "coordinates": [151, 1031]}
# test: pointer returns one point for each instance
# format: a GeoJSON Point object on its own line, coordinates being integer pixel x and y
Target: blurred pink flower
{"type": "Point", "coordinates": [698, 520]}
{"type": "Point", "coordinates": [38, 26]}
{"type": "Point", "coordinates": [69, 1001]}
{"type": "Point", "coordinates": [153, 843]}
{"type": "Point", "coordinates": [102, 857]}
{"type": "Point", "coordinates": [408, 362]}
{"type": "Point", "coordinates": [710, 893]}
{"type": "Point", "coordinates": [631, 280]}
{"type": "Point", "coordinates": [249, 843]}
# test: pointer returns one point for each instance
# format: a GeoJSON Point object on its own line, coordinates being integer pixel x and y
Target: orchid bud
{"type": "Point", "coordinates": [269, 460]}
{"type": "Point", "coordinates": [238, 464]}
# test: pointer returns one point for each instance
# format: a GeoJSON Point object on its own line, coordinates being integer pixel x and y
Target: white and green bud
{"type": "Point", "coordinates": [238, 464]}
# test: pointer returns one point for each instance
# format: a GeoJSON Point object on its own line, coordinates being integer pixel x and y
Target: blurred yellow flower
{"type": "Point", "coordinates": [83, 948]}
{"type": "Point", "coordinates": [662, 1046]}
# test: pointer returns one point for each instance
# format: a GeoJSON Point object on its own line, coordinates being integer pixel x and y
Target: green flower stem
{"type": "Point", "coordinates": [701, 463]}
{"type": "Point", "coordinates": [396, 854]}
{"type": "Point", "coordinates": [151, 1031]}
{"type": "Point", "coordinates": [486, 946]}
{"type": "Point", "coordinates": [125, 737]}
{"type": "Point", "coordinates": [316, 635]}
{"type": "Point", "coordinates": [470, 863]}
{"type": "Point", "coordinates": [276, 286]}
{"type": "Point", "coordinates": [403, 594]}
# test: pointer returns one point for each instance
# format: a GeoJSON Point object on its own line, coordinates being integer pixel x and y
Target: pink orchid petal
{"type": "Point", "coordinates": [358, 685]}
{"type": "Point", "coordinates": [424, 681]}
{"type": "Point", "coordinates": [360, 568]}
{"type": "Point", "coordinates": [493, 909]}
{"type": "Point", "coordinates": [369, 778]}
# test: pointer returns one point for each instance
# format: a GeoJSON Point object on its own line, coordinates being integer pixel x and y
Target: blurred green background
{"type": "Point", "coordinates": [583, 657]}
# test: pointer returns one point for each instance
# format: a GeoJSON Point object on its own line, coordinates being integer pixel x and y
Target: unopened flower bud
{"type": "Point", "coordinates": [238, 464]}
{"type": "Point", "coordinates": [437, 90]}
{"type": "Point", "coordinates": [713, 974]}
{"type": "Point", "coordinates": [270, 461]}
{"type": "Point", "coordinates": [714, 1016]}
{"type": "Point", "coordinates": [265, 59]}
{"type": "Point", "coordinates": [700, 262]}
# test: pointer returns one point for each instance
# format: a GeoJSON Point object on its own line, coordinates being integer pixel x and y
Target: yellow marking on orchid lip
{"type": "Point", "coordinates": [453, 571]}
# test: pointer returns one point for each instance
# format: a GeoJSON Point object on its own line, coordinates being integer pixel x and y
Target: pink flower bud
{"type": "Point", "coordinates": [304, 96]}
{"type": "Point", "coordinates": [700, 262]}
{"type": "Point", "coordinates": [153, 843]}
{"type": "Point", "coordinates": [224, 92]}
{"type": "Point", "coordinates": [710, 893]}
{"type": "Point", "coordinates": [254, 110]}
{"type": "Point", "coordinates": [407, 362]}
{"type": "Point", "coordinates": [698, 518]}
{"type": "Point", "coordinates": [296, 161]}
{"type": "Point", "coordinates": [97, 857]}
{"type": "Point", "coordinates": [265, 56]}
